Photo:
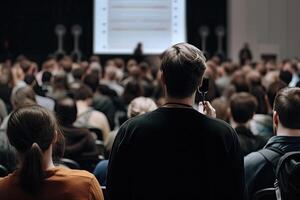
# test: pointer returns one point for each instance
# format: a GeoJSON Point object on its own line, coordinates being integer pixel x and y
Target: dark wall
{"type": "Point", "coordinates": [27, 27]}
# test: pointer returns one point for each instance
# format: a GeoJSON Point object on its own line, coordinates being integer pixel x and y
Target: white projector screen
{"type": "Point", "coordinates": [120, 24]}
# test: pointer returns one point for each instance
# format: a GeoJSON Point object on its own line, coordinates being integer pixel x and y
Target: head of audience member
{"type": "Point", "coordinates": [95, 58]}
{"type": "Point", "coordinates": [95, 68]}
{"type": "Point", "coordinates": [273, 90]}
{"type": "Point", "coordinates": [110, 73]}
{"type": "Point", "coordinates": [261, 96]}
{"type": "Point", "coordinates": [140, 105]}
{"type": "Point", "coordinates": [135, 72]}
{"type": "Point", "coordinates": [59, 81]}
{"type": "Point", "coordinates": [287, 111]}
{"type": "Point", "coordinates": [291, 67]}
{"type": "Point", "coordinates": [271, 65]}
{"type": "Point", "coordinates": [32, 131]}
{"type": "Point", "coordinates": [182, 67]}
{"type": "Point", "coordinates": [50, 64]}
{"type": "Point", "coordinates": [229, 68]}
{"type": "Point", "coordinates": [211, 70]}
{"type": "Point", "coordinates": [145, 71]}
{"type": "Point", "coordinates": [23, 96]}
{"type": "Point", "coordinates": [46, 77]}
{"type": "Point", "coordinates": [221, 107]}
{"type": "Point", "coordinates": [261, 68]}
{"type": "Point", "coordinates": [83, 94]}
{"type": "Point", "coordinates": [132, 90]}
{"type": "Point", "coordinates": [253, 78]}
{"type": "Point", "coordinates": [270, 78]}
{"type": "Point", "coordinates": [26, 67]}
{"type": "Point", "coordinates": [239, 82]}
{"type": "Point", "coordinates": [6, 77]}
{"type": "Point", "coordinates": [78, 73]}
{"type": "Point", "coordinates": [242, 108]}
{"type": "Point", "coordinates": [119, 62]}
{"type": "Point", "coordinates": [66, 63]}
{"type": "Point", "coordinates": [286, 76]}
{"type": "Point", "coordinates": [130, 63]}
{"type": "Point", "coordinates": [17, 74]}
{"type": "Point", "coordinates": [66, 111]}
{"type": "Point", "coordinates": [92, 80]}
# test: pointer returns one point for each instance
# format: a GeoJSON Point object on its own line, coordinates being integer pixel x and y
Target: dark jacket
{"type": "Point", "coordinates": [259, 172]}
{"type": "Point", "coordinates": [248, 141]}
{"type": "Point", "coordinates": [78, 142]}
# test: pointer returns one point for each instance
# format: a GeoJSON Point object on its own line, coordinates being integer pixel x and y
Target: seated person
{"type": "Point", "coordinates": [138, 106]}
{"type": "Point", "coordinates": [23, 96]}
{"type": "Point", "coordinates": [242, 109]}
{"type": "Point", "coordinates": [33, 131]}
{"type": "Point", "coordinates": [259, 172]}
{"type": "Point", "coordinates": [87, 117]}
{"type": "Point", "coordinates": [79, 141]}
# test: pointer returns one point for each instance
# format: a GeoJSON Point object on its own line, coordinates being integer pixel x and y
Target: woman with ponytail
{"type": "Point", "coordinates": [33, 131]}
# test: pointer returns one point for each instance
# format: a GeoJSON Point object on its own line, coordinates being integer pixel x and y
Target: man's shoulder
{"type": "Point", "coordinates": [202, 122]}
{"type": "Point", "coordinates": [253, 160]}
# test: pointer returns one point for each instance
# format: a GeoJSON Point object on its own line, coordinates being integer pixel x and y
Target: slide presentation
{"type": "Point", "coordinates": [119, 25]}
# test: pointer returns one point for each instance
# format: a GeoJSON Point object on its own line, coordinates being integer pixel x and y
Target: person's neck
{"type": "Point", "coordinates": [236, 124]}
{"type": "Point", "coordinates": [81, 105]}
{"type": "Point", "coordinates": [282, 131]}
{"type": "Point", "coordinates": [47, 159]}
{"type": "Point", "coordinates": [189, 101]}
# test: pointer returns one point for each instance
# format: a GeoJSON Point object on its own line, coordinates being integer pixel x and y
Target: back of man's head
{"type": "Point", "coordinates": [242, 107]}
{"type": "Point", "coordinates": [183, 66]}
{"type": "Point", "coordinates": [287, 106]}
{"type": "Point", "coordinates": [66, 111]}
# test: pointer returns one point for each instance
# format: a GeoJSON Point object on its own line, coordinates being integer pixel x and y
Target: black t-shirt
{"type": "Point", "coordinates": [176, 153]}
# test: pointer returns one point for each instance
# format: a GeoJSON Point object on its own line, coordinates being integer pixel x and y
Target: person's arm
{"type": "Point", "coordinates": [118, 175]}
{"type": "Point", "coordinates": [95, 192]}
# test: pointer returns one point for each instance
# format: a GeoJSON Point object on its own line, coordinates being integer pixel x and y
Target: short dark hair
{"type": "Point", "coordinates": [78, 73]}
{"type": "Point", "coordinates": [92, 80]}
{"type": "Point", "coordinates": [242, 106]}
{"type": "Point", "coordinates": [82, 92]}
{"type": "Point", "coordinates": [273, 90]}
{"type": "Point", "coordinates": [287, 105]}
{"type": "Point", "coordinates": [46, 77]}
{"type": "Point", "coordinates": [183, 66]}
{"type": "Point", "coordinates": [66, 111]}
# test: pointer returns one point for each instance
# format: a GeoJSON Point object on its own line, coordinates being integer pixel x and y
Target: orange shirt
{"type": "Point", "coordinates": [60, 184]}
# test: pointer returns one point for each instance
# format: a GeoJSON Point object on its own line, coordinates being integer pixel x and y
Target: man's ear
{"type": "Point", "coordinates": [229, 113]}
{"type": "Point", "coordinates": [162, 77]}
{"type": "Point", "coordinates": [55, 138]}
{"type": "Point", "coordinates": [275, 119]}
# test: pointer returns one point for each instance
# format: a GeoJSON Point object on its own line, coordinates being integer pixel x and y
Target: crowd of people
{"type": "Point", "coordinates": [143, 127]}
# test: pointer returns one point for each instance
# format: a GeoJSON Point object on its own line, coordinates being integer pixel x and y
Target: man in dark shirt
{"type": "Point", "coordinates": [242, 109]}
{"type": "Point", "coordinates": [259, 172]}
{"type": "Point", "coordinates": [175, 152]}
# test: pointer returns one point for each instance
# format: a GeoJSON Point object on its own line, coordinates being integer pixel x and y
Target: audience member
{"type": "Point", "coordinates": [79, 141]}
{"type": "Point", "coordinates": [138, 106]}
{"type": "Point", "coordinates": [242, 109]}
{"type": "Point", "coordinates": [33, 131]}
{"type": "Point", "coordinates": [60, 86]}
{"type": "Point", "coordinates": [221, 106]}
{"type": "Point", "coordinates": [261, 124]}
{"type": "Point", "coordinates": [87, 117]}
{"type": "Point", "coordinates": [145, 159]}
{"type": "Point", "coordinates": [260, 166]}
{"type": "Point", "coordinates": [101, 102]}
